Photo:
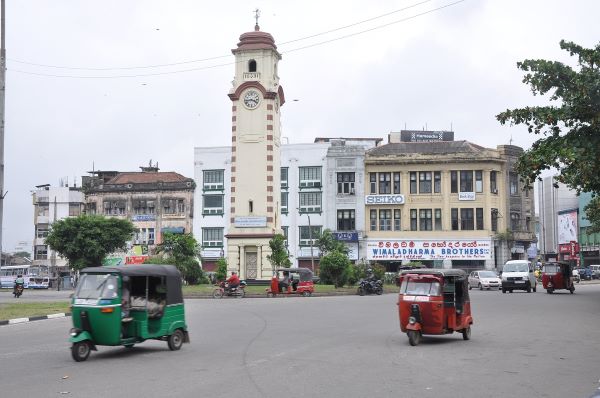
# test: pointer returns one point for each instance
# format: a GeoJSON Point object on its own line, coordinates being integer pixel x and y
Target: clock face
{"type": "Point", "coordinates": [251, 99]}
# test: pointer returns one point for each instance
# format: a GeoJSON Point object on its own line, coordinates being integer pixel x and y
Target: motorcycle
{"type": "Point", "coordinates": [224, 290]}
{"type": "Point", "coordinates": [370, 287]}
{"type": "Point", "coordinates": [18, 290]}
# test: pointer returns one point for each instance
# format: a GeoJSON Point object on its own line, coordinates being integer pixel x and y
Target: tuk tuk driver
{"type": "Point", "coordinates": [233, 281]}
{"type": "Point", "coordinates": [284, 282]}
{"type": "Point", "coordinates": [18, 281]}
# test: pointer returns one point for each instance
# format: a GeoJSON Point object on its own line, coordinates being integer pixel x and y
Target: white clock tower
{"type": "Point", "coordinates": [256, 98]}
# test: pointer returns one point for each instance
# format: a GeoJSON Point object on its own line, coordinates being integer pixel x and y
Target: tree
{"type": "Point", "coordinates": [221, 273]}
{"type": "Point", "coordinates": [279, 256]}
{"type": "Point", "coordinates": [183, 251]}
{"type": "Point", "coordinates": [571, 130]}
{"type": "Point", "coordinates": [23, 254]}
{"type": "Point", "coordinates": [327, 243]}
{"type": "Point", "coordinates": [334, 268]}
{"type": "Point", "coordinates": [85, 240]}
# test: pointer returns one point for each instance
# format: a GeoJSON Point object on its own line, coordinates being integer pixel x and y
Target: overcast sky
{"type": "Point", "coordinates": [114, 107]}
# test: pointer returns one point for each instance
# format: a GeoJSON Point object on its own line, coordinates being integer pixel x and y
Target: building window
{"type": "Point", "coordinates": [373, 219]}
{"type": "Point", "coordinates": [250, 207]}
{"type": "Point", "coordinates": [493, 184]}
{"type": "Point", "coordinates": [346, 220]}
{"type": "Point", "coordinates": [144, 236]}
{"type": "Point", "coordinates": [528, 224]}
{"type": "Point", "coordinates": [425, 182]}
{"type": "Point", "coordinates": [514, 184]}
{"type": "Point", "coordinates": [74, 209]}
{"type": "Point", "coordinates": [310, 202]}
{"type": "Point", "coordinates": [43, 210]}
{"type": "Point", "coordinates": [41, 252]}
{"type": "Point", "coordinates": [181, 206]}
{"type": "Point", "coordinates": [345, 183]}
{"type": "Point", "coordinates": [252, 66]}
{"type": "Point", "coordinates": [114, 207]}
{"type": "Point", "coordinates": [425, 220]}
{"type": "Point", "coordinates": [385, 183]}
{"type": "Point", "coordinates": [41, 231]}
{"type": "Point", "coordinates": [478, 181]}
{"type": "Point", "coordinates": [284, 202]}
{"type": "Point", "coordinates": [438, 219]}
{"type": "Point", "coordinates": [285, 235]}
{"type": "Point", "coordinates": [212, 237]}
{"type": "Point", "coordinates": [142, 206]}
{"type": "Point", "coordinates": [310, 177]}
{"type": "Point", "coordinates": [385, 220]}
{"type": "Point", "coordinates": [413, 219]}
{"type": "Point", "coordinates": [494, 220]}
{"type": "Point", "coordinates": [373, 183]}
{"type": "Point", "coordinates": [454, 219]}
{"type": "Point", "coordinates": [413, 182]}
{"type": "Point", "coordinates": [396, 183]}
{"type": "Point", "coordinates": [212, 180]}
{"type": "Point", "coordinates": [466, 181]}
{"type": "Point", "coordinates": [171, 205]}
{"type": "Point", "coordinates": [307, 235]}
{"type": "Point", "coordinates": [90, 208]}
{"type": "Point", "coordinates": [212, 204]}
{"type": "Point", "coordinates": [466, 219]}
{"type": "Point", "coordinates": [397, 220]}
{"type": "Point", "coordinates": [515, 221]}
{"type": "Point", "coordinates": [437, 182]}
{"type": "Point", "coordinates": [284, 178]}
{"type": "Point", "coordinates": [453, 182]}
{"type": "Point", "coordinates": [479, 217]}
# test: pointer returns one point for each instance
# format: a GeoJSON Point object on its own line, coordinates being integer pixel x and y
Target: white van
{"type": "Point", "coordinates": [518, 275]}
{"type": "Point", "coordinates": [595, 271]}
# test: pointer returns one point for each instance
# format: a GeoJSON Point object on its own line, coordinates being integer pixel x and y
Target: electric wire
{"type": "Point", "coordinates": [233, 63]}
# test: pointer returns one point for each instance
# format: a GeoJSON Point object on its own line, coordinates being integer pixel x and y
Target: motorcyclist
{"type": "Point", "coordinates": [18, 281]}
{"type": "Point", "coordinates": [232, 282]}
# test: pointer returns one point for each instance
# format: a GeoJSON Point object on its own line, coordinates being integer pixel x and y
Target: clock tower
{"type": "Point", "coordinates": [256, 98]}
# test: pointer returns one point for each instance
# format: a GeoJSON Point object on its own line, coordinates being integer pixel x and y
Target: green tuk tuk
{"type": "Point", "coordinates": [126, 305]}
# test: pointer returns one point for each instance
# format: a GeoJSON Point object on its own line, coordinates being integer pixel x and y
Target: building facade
{"type": "Point", "coordinates": [445, 203]}
{"type": "Point", "coordinates": [52, 204]}
{"type": "Point", "coordinates": [589, 243]}
{"type": "Point", "coordinates": [155, 202]}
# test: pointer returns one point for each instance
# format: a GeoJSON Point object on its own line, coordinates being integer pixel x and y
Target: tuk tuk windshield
{"type": "Point", "coordinates": [95, 286]}
{"type": "Point", "coordinates": [420, 288]}
{"type": "Point", "coordinates": [551, 269]}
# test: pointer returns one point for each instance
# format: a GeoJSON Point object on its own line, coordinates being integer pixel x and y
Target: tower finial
{"type": "Point", "coordinates": [256, 16]}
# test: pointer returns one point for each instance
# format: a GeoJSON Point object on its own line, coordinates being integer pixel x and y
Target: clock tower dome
{"type": "Point", "coordinates": [256, 98]}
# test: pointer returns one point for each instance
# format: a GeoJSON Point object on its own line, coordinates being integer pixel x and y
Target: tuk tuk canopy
{"type": "Point", "coordinates": [456, 273]}
{"type": "Point", "coordinates": [304, 274]}
{"type": "Point", "coordinates": [169, 272]}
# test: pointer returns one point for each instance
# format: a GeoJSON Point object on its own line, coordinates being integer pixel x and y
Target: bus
{"type": "Point", "coordinates": [35, 276]}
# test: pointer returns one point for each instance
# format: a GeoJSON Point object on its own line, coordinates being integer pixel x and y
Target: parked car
{"type": "Point", "coordinates": [585, 274]}
{"type": "Point", "coordinates": [484, 280]}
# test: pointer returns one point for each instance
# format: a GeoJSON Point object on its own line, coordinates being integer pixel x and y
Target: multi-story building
{"type": "Point", "coordinates": [156, 202]}
{"type": "Point", "coordinates": [557, 204]}
{"type": "Point", "coordinates": [50, 205]}
{"type": "Point", "coordinates": [445, 203]}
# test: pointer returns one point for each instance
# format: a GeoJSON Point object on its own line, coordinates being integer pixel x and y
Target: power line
{"type": "Point", "coordinates": [233, 63]}
{"type": "Point", "coordinates": [220, 56]}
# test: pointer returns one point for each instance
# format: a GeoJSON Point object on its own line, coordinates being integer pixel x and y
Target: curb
{"type": "Point", "coordinates": [33, 318]}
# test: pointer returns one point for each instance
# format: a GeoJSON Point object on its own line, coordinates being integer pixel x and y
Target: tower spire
{"type": "Point", "coordinates": [256, 16]}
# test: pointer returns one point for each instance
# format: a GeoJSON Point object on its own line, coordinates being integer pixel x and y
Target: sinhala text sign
{"type": "Point", "coordinates": [429, 249]}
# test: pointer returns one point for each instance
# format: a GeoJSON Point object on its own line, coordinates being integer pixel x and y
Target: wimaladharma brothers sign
{"type": "Point", "coordinates": [429, 249]}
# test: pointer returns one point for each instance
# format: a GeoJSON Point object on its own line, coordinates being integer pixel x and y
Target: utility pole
{"type": "Point", "coordinates": [2, 98]}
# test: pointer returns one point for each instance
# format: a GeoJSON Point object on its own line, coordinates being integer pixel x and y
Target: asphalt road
{"type": "Point", "coordinates": [523, 345]}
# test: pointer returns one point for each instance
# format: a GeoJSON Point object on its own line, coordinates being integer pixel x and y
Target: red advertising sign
{"type": "Point", "coordinates": [135, 259]}
{"type": "Point", "coordinates": [564, 248]}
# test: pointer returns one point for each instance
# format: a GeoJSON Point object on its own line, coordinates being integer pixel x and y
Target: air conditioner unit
{"type": "Point", "coordinates": [494, 190]}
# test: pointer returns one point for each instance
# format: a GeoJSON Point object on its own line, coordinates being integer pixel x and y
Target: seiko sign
{"type": "Point", "coordinates": [384, 199]}
{"type": "Point", "coordinates": [466, 196]}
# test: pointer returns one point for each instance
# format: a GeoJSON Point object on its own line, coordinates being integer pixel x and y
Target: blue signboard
{"type": "Point", "coordinates": [346, 236]}
{"type": "Point", "coordinates": [143, 217]}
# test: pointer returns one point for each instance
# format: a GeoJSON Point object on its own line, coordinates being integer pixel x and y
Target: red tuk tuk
{"type": "Point", "coordinates": [434, 301]}
{"type": "Point", "coordinates": [557, 275]}
{"type": "Point", "coordinates": [300, 281]}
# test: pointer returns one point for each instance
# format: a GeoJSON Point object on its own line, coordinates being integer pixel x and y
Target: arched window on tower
{"type": "Point", "coordinates": [252, 66]}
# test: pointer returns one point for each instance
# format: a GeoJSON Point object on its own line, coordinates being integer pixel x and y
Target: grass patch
{"type": "Point", "coordinates": [208, 289]}
{"type": "Point", "coordinates": [26, 310]}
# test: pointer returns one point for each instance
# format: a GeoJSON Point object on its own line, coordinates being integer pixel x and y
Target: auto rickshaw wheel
{"type": "Point", "coordinates": [414, 337]}
{"type": "Point", "coordinates": [175, 340]}
{"type": "Point", "coordinates": [80, 351]}
{"type": "Point", "coordinates": [270, 294]}
{"type": "Point", "coordinates": [572, 289]}
{"type": "Point", "coordinates": [467, 333]}
{"type": "Point", "coordinates": [550, 291]}
{"type": "Point", "coordinates": [306, 293]}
